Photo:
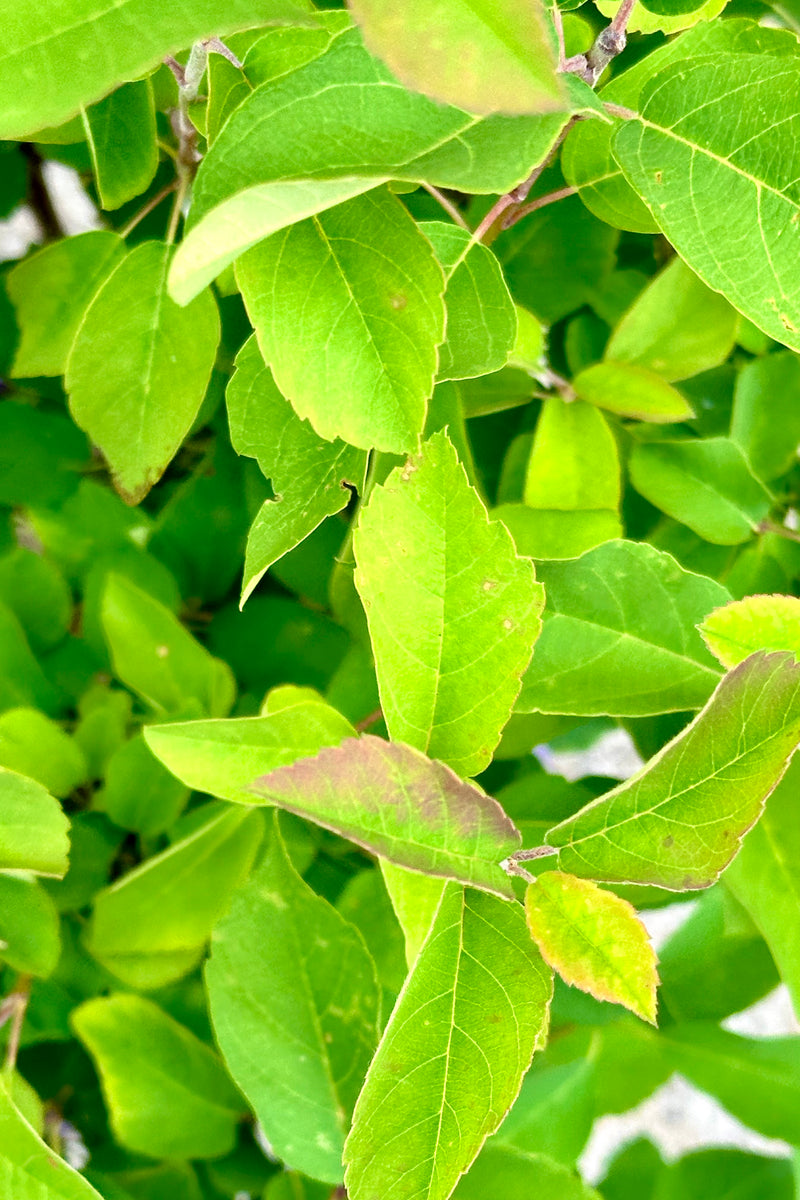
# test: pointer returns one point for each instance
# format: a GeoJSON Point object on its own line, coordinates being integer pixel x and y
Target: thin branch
{"type": "Point", "coordinates": [39, 195]}
{"type": "Point", "coordinates": [519, 194]}
{"type": "Point", "coordinates": [152, 203]}
{"type": "Point", "coordinates": [369, 720]}
{"type": "Point", "coordinates": [446, 204]}
{"type": "Point", "coordinates": [783, 531]}
{"type": "Point", "coordinates": [20, 996]}
{"type": "Point", "coordinates": [511, 218]}
{"type": "Point", "coordinates": [611, 41]}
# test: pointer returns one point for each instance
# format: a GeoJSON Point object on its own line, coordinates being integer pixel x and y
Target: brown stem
{"type": "Point", "coordinates": [517, 195]}
{"type": "Point", "coordinates": [781, 530]}
{"type": "Point", "coordinates": [446, 204]}
{"type": "Point", "coordinates": [371, 719]}
{"type": "Point", "coordinates": [152, 203]}
{"type": "Point", "coordinates": [511, 218]}
{"type": "Point", "coordinates": [610, 41]}
{"type": "Point", "coordinates": [20, 997]}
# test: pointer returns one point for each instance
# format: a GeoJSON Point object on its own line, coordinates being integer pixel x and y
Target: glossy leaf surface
{"type": "Point", "coordinates": [425, 549]}
{"type": "Point", "coordinates": [461, 1030]}
{"type": "Point", "coordinates": [718, 772]}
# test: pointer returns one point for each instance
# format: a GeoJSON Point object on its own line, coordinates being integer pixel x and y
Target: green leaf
{"type": "Point", "coordinates": [453, 611]}
{"type": "Point", "coordinates": [50, 292]}
{"type": "Point", "coordinates": [396, 803]}
{"type": "Point", "coordinates": [619, 636]}
{"type": "Point", "coordinates": [486, 55]}
{"type": "Point", "coordinates": [680, 820]}
{"type": "Point", "coordinates": [730, 210]}
{"type": "Point", "coordinates": [587, 159]}
{"type": "Point", "coordinates": [308, 475]}
{"type": "Point", "coordinates": [481, 317]}
{"type": "Point", "coordinates": [139, 793]}
{"type": "Point", "coordinates": [754, 623]}
{"type": "Point", "coordinates": [765, 878]}
{"type": "Point", "coordinates": [765, 422]}
{"type": "Point", "coordinates": [291, 984]}
{"type": "Point", "coordinates": [335, 127]}
{"type": "Point", "coordinates": [555, 260]}
{"type": "Point", "coordinates": [121, 134]}
{"type": "Point", "coordinates": [632, 391]}
{"type": "Point", "coordinates": [35, 590]}
{"type": "Point", "coordinates": [728, 1175]}
{"type": "Point", "coordinates": [348, 311]}
{"type": "Point", "coordinates": [554, 1112]}
{"type": "Point", "coordinates": [571, 487]}
{"type": "Point", "coordinates": [717, 963]}
{"type": "Point", "coordinates": [516, 1174]}
{"type": "Point", "coordinates": [704, 483]}
{"type": "Point", "coordinates": [594, 940]}
{"type": "Point", "coordinates": [29, 1170]}
{"type": "Point", "coordinates": [33, 827]}
{"type": "Point", "coordinates": [676, 327]}
{"type": "Point", "coordinates": [55, 60]}
{"type": "Point", "coordinates": [129, 390]}
{"type": "Point", "coordinates": [243, 220]}
{"type": "Point", "coordinates": [33, 745]}
{"type": "Point", "coordinates": [756, 1079]}
{"type": "Point", "coordinates": [167, 1094]}
{"type": "Point", "coordinates": [156, 656]}
{"type": "Point", "coordinates": [415, 899]}
{"type": "Point", "coordinates": [29, 938]}
{"type": "Point", "coordinates": [473, 1011]}
{"type": "Point", "coordinates": [150, 927]}
{"type": "Point", "coordinates": [224, 757]}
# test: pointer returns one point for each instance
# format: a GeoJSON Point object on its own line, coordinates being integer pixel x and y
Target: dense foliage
{"type": "Point", "coordinates": [429, 396]}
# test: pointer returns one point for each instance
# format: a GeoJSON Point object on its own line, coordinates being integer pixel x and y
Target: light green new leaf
{"type": "Point", "coordinates": [56, 58]}
{"type": "Point", "coordinates": [572, 483]}
{"type": "Point", "coordinates": [33, 828]}
{"type": "Point", "coordinates": [167, 1093]}
{"type": "Point", "coordinates": [754, 623]}
{"type": "Point", "coordinates": [704, 483]}
{"type": "Point", "coordinates": [295, 1000]}
{"type": "Point", "coordinates": [29, 937]}
{"type": "Point", "coordinates": [122, 140]}
{"type": "Point", "coordinates": [336, 127]}
{"type": "Point", "coordinates": [139, 793]}
{"type": "Point", "coordinates": [676, 327]}
{"type": "Point", "coordinates": [481, 317]}
{"type": "Point", "coordinates": [29, 1169]}
{"type": "Point", "coordinates": [348, 310]}
{"type": "Point", "coordinates": [450, 1063]}
{"type": "Point", "coordinates": [246, 218]}
{"type": "Point", "coordinates": [594, 940]}
{"type": "Point", "coordinates": [400, 805]}
{"type": "Point", "coordinates": [619, 635]}
{"type": "Point", "coordinates": [680, 820]}
{"type": "Point", "coordinates": [756, 1079]}
{"type": "Point", "coordinates": [453, 612]}
{"type": "Point", "coordinates": [487, 56]}
{"type": "Point", "coordinates": [514, 1174]}
{"type": "Point", "coordinates": [139, 368]}
{"type": "Point", "coordinates": [415, 899]}
{"type": "Point", "coordinates": [765, 878]}
{"type": "Point", "coordinates": [224, 757]}
{"type": "Point", "coordinates": [765, 421]}
{"type": "Point", "coordinates": [51, 291]}
{"type": "Point", "coordinates": [308, 475]}
{"type": "Point", "coordinates": [720, 177]}
{"type": "Point", "coordinates": [157, 656]}
{"type": "Point", "coordinates": [150, 927]}
{"type": "Point", "coordinates": [632, 391]}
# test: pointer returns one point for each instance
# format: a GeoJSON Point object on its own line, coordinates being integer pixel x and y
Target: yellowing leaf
{"type": "Point", "coordinates": [754, 623]}
{"type": "Point", "coordinates": [594, 940]}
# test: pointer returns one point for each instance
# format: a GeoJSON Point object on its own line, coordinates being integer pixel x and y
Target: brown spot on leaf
{"type": "Point", "coordinates": [399, 301]}
{"type": "Point", "coordinates": [668, 841]}
{"type": "Point", "coordinates": [508, 623]}
{"type": "Point", "coordinates": [488, 584]}
{"type": "Point", "coordinates": [659, 176]}
{"type": "Point", "coordinates": [787, 324]}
